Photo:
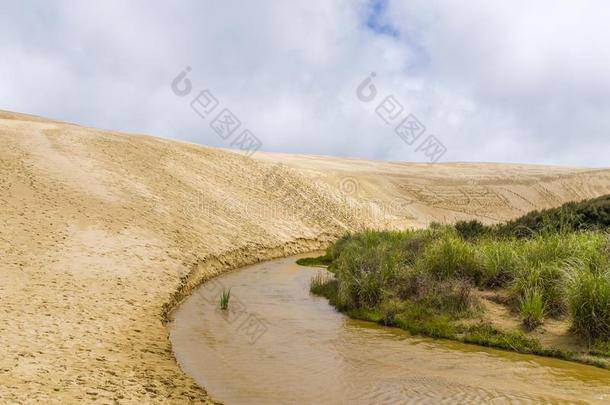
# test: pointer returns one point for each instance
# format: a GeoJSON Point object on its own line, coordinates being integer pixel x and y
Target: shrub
{"type": "Point", "coordinates": [593, 214]}
{"type": "Point", "coordinates": [470, 229]}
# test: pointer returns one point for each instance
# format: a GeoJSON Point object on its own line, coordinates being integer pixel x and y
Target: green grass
{"type": "Point", "coordinates": [531, 308]}
{"type": "Point", "coordinates": [423, 280]}
{"type": "Point", "coordinates": [450, 257]}
{"type": "Point", "coordinates": [543, 282]}
{"type": "Point", "coordinates": [421, 320]}
{"type": "Point", "coordinates": [225, 297]}
{"type": "Point", "coordinates": [484, 334]}
{"type": "Point", "coordinates": [326, 286]}
{"type": "Point", "coordinates": [589, 301]}
{"type": "Point", "coordinates": [471, 230]}
{"type": "Point", "coordinates": [319, 261]}
{"type": "Point", "coordinates": [499, 260]}
{"type": "Point", "coordinates": [593, 215]}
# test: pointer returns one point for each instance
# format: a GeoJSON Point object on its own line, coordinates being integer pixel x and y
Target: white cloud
{"type": "Point", "coordinates": [494, 81]}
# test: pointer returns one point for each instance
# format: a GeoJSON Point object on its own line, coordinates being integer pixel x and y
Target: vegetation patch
{"type": "Point", "coordinates": [435, 281]}
{"type": "Point", "coordinates": [592, 215]}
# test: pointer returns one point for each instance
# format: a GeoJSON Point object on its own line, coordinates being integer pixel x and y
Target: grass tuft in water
{"type": "Point", "coordinates": [225, 296]}
{"type": "Point", "coordinates": [325, 285]}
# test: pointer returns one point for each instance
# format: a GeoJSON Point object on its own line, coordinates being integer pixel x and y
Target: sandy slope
{"type": "Point", "coordinates": [102, 232]}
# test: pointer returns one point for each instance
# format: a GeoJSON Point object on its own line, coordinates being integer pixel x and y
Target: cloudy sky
{"type": "Point", "coordinates": [512, 81]}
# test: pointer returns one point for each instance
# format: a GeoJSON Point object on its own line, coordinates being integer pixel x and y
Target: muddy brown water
{"type": "Point", "coordinates": [279, 344]}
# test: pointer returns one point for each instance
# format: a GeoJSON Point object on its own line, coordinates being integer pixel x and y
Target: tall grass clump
{"type": "Point", "coordinates": [225, 296]}
{"type": "Point", "coordinates": [320, 282]}
{"type": "Point", "coordinates": [500, 260]}
{"type": "Point", "coordinates": [471, 230]}
{"type": "Point", "coordinates": [450, 257]}
{"type": "Point", "coordinates": [368, 268]}
{"type": "Point", "coordinates": [531, 308]}
{"type": "Point", "coordinates": [547, 264]}
{"type": "Point", "coordinates": [589, 301]}
{"type": "Point", "coordinates": [548, 248]}
{"type": "Point", "coordinates": [548, 280]}
{"type": "Point", "coordinates": [452, 296]}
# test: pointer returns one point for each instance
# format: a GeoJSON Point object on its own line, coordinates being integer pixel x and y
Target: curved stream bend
{"type": "Point", "coordinates": [279, 344]}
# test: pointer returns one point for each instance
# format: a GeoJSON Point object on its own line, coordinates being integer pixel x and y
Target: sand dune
{"type": "Point", "coordinates": [102, 233]}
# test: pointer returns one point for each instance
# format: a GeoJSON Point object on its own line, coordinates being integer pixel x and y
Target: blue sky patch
{"type": "Point", "coordinates": [376, 19]}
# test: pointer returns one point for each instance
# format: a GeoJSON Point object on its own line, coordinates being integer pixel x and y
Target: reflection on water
{"type": "Point", "coordinates": [300, 350]}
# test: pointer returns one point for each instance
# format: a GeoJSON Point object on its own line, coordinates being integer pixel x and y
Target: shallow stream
{"type": "Point", "coordinates": [279, 344]}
